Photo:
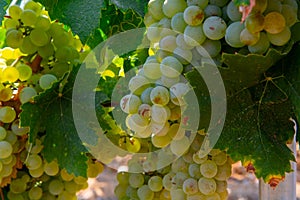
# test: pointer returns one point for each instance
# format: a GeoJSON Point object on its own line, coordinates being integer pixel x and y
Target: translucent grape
{"type": "Point", "coordinates": [36, 7]}
{"type": "Point", "coordinates": [255, 22]}
{"type": "Point", "coordinates": [27, 46]}
{"type": "Point", "coordinates": [2, 133]}
{"type": "Point", "coordinates": [160, 95]}
{"type": "Point", "coordinates": [214, 196]}
{"type": "Point", "coordinates": [26, 94]}
{"type": "Point", "coordinates": [274, 22]}
{"type": "Point", "coordinates": [177, 194]}
{"type": "Point", "coordinates": [5, 149]}
{"type": "Point", "coordinates": [160, 141]}
{"type": "Point", "coordinates": [39, 37]}
{"type": "Point", "coordinates": [160, 114]}
{"type": "Point", "coordinates": [289, 14]}
{"type": "Point", "coordinates": [232, 35]}
{"type": "Point", "coordinates": [133, 145]}
{"type": "Point", "coordinates": [168, 43]}
{"type": "Point", "coordinates": [6, 94]}
{"type": "Point", "coordinates": [181, 42]}
{"type": "Point", "coordinates": [221, 186]}
{"type": "Point", "coordinates": [153, 33]}
{"type": "Point", "coordinates": [184, 56]}
{"type": "Point", "coordinates": [130, 103]}
{"type": "Point", "coordinates": [17, 129]}
{"type": "Point", "coordinates": [43, 22]}
{"type": "Point", "coordinates": [201, 3]}
{"type": "Point", "coordinates": [190, 186]}
{"type": "Point", "coordinates": [260, 6]}
{"type": "Point", "coordinates": [138, 84]}
{"type": "Point", "coordinates": [155, 9]}
{"type": "Point", "coordinates": [46, 51]}
{"type": "Point", "coordinates": [14, 38]}
{"type": "Point", "coordinates": [170, 67]}
{"type": "Point", "coordinates": [136, 180]}
{"type": "Point", "coordinates": [220, 159]}
{"type": "Point", "coordinates": [35, 193]}
{"type": "Point", "coordinates": [15, 11]}
{"type": "Point", "coordinates": [170, 8]}
{"type": "Point", "coordinates": [210, 48]}
{"type": "Point", "coordinates": [194, 171]}
{"type": "Point", "coordinates": [281, 38]}
{"type": "Point", "coordinates": [212, 10]}
{"type": "Point", "coordinates": [10, 74]}
{"type": "Point", "coordinates": [144, 192]}
{"type": "Point", "coordinates": [36, 173]}
{"type": "Point", "coordinates": [61, 39]}
{"type": "Point", "coordinates": [214, 27]}
{"type": "Point", "coordinates": [273, 5]}
{"type": "Point", "coordinates": [196, 196]}
{"type": "Point", "coordinates": [179, 147]}
{"type": "Point", "coordinates": [208, 169]}
{"type": "Point", "coordinates": [7, 114]}
{"type": "Point", "coordinates": [144, 110]}
{"type": "Point", "coordinates": [28, 17]}
{"type": "Point", "coordinates": [176, 132]}
{"type": "Point", "coordinates": [25, 72]}
{"type": "Point", "coordinates": [193, 15]}
{"type": "Point", "coordinates": [65, 175]}
{"type": "Point", "coordinates": [56, 187]}
{"type": "Point", "coordinates": [165, 25]}
{"type": "Point", "coordinates": [11, 24]}
{"type": "Point", "coordinates": [33, 161]}
{"type": "Point", "coordinates": [249, 38]}
{"type": "Point", "coordinates": [194, 35]}
{"type": "Point", "coordinates": [177, 23]}
{"type": "Point", "coordinates": [233, 12]}
{"type": "Point", "coordinates": [177, 93]}
{"type": "Point", "coordinates": [51, 168]}
{"type": "Point", "coordinates": [207, 186]}
{"type": "Point", "coordinates": [120, 191]}
{"type": "Point", "coordinates": [145, 96]}
{"type": "Point", "coordinates": [46, 81]}
{"type": "Point", "coordinates": [155, 183]}
{"type": "Point", "coordinates": [18, 186]}
{"type": "Point", "coordinates": [175, 113]}
{"type": "Point", "coordinates": [224, 172]}
{"type": "Point", "coordinates": [136, 123]}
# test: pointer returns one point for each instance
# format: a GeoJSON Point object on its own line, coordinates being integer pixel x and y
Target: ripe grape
{"type": "Point", "coordinates": [224, 172]}
{"type": "Point", "coordinates": [34, 161]}
{"type": "Point", "coordinates": [27, 46]}
{"type": "Point", "coordinates": [17, 129]}
{"type": "Point", "coordinates": [130, 103]}
{"type": "Point", "coordinates": [184, 56]}
{"type": "Point", "coordinates": [170, 67]}
{"type": "Point", "coordinates": [179, 147]}
{"type": "Point", "coordinates": [177, 23]}
{"type": "Point", "coordinates": [194, 170]}
{"type": "Point", "coordinates": [36, 173]}
{"type": "Point", "coordinates": [209, 48]}
{"type": "Point", "coordinates": [18, 186]}
{"type": "Point", "coordinates": [176, 132]}
{"type": "Point", "coordinates": [25, 72]}
{"type": "Point", "coordinates": [194, 35]}
{"type": "Point", "coordinates": [6, 94]}
{"type": "Point", "coordinates": [274, 23]}
{"type": "Point", "coordinates": [153, 33]}
{"type": "Point", "coordinates": [120, 191]}
{"type": "Point", "coordinates": [14, 38]}
{"type": "Point", "coordinates": [170, 8]}
{"type": "Point", "coordinates": [168, 82]}
{"type": "Point", "coordinates": [46, 81]}
{"type": "Point", "coordinates": [249, 38]}
{"type": "Point", "coordinates": [36, 7]}
{"type": "Point", "coordinates": [11, 24]}
{"type": "Point", "coordinates": [155, 9]}
{"type": "Point", "coordinates": [177, 194]}
{"type": "Point", "coordinates": [212, 10]}
{"type": "Point", "coordinates": [145, 193]}
{"type": "Point", "coordinates": [207, 186]}
{"type": "Point", "coordinates": [144, 110]}
{"type": "Point", "coordinates": [159, 95]}
{"type": "Point", "coordinates": [155, 183]}
{"type": "Point", "coordinates": [15, 11]}
{"type": "Point", "coordinates": [281, 38]}
{"type": "Point", "coordinates": [181, 42]}
{"type": "Point", "coordinates": [273, 6]}
{"type": "Point", "coordinates": [2, 133]}
{"type": "Point", "coordinates": [289, 14]}
{"type": "Point", "coordinates": [145, 96]}
{"type": "Point", "coordinates": [260, 6]}
{"type": "Point", "coordinates": [5, 149]}
{"type": "Point", "coordinates": [214, 27]}
{"type": "Point", "coordinates": [232, 35]}
{"type": "Point", "coordinates": [201, 3]}
{"type": "Point", "coordinates": [177, 93]}
{"type": "Point", "coordinates": [51, 168]}
{"type": "Point", "coordinates": [220, 159]}
{"type": "Point", "coordinates": [160, 114]}
{"type": "Point", "coordinates": [138, 84]}
{"type": "Point", "coordinates": [168, 43]}
{"type": "Point", "coordinates": [7, 114]}
{"type": "Point", "coordinates": [26, 94]}
{"type": "Point", "coordinates": [133, 145]}
{"type": "Point", "coordinates": [46, 51]}
{"type": "Point", "coordinates": [39, 37]}
{"type": "Point", "coordinates": [160, 141]}
{"type": "Point", "coordinates": [28, 17]}
{"type": "Point", "coordinates": [56, 187]}
{"type": "Point", "coordinates": [35, 193]}
{"type": "Point", "coordinates": [233, 12]}
{"type": "Point", "coordinates": [255, 22]}
{"type": "Point", "coordinates": [190, 186]}
{"type": "Point", "coordinates": [208, 169]}
{"type": "Point", "coordinates": [136, 180]}
{"type": "Point", "coordinates": [136, 123]}
{"type": "Point", "coordinates": [193, 15]}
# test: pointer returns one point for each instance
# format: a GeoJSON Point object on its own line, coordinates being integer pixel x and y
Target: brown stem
{"type": "Point", "coordinates": [35, 65]}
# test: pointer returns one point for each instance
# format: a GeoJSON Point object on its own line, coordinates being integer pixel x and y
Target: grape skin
{"type": "Point", "coordinates": [193, 15]}
{"type": "Point", "coordinates": [214, 27]}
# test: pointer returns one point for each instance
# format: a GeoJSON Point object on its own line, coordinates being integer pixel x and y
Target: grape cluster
{"type": "Point", "coordinates": [191, 176]}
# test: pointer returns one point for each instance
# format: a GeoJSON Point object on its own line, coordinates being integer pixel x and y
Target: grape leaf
{"type": "Point", "coordinates": [241, 2]}
{"type": "Point", "coordinates": [3, 6]}
{"type": "Point", "coordinates": [137, 5]}
{"type": "Point", "coordinates": [54, 112]}
{"type": "Point", "coordinates": [81, 15]}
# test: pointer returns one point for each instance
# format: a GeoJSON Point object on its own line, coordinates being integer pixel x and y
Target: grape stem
{"type": "Point", "coordinates": [1, 194]}
{"type": "Point", "coordinates": [35, 64]}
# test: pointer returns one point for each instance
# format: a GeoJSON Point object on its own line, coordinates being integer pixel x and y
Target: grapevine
{"type": "Point", "coordinates": [155, 104]}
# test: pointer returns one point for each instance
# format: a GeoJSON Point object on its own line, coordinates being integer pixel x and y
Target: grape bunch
{"type": "Point", "coordinates": [191, 176]}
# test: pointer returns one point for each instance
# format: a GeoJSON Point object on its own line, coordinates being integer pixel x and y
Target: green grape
{"type": "Point", "coordinates": [13, 196]}
{"type": "Point", "coordinates": [15, 11]}
{"type": "Point", "coordinates": [7, 114]}
{"type": "Point", "coordinates": [167, 181]}
{"type": "Point", "coordinates": [11, 137]}
{"type": "Point", "coordinates": [155, 9]}
{"type": "Point", "coordinates": [66, 196]}
{"type": "Point", "coordinates": [170, 8]}
{"type": "Point", "coordinates": [208, 169]}
{"type": "Point", "coordinates": [178, 179]}
{"type": "Point", "coordinates": [60, 38]}
{"type": "Point", "coordinates": [64, 53]}
{"type": "Point", "coordinates": [35, 193]}
{"type": "Point", "coordinates": [221, 186]}
{"type": "Point", "coordinates": [136, 123]}
{"type": "Point", "coordinates": [170, 67]}
{"type": "Point", "coordinates": [273, 6]}
{"type": "Point", "coordinates": [17, 129]}
{"type": "Point", "coordinates": [6, 94]}
{"type": "Point", "coordinates": [190, 186]}
{"type": "Point", "coordinates": [214, 196]}
{"type": "Point", "coordinates": [43, 22]}
{"type": "Point", "coordinates": [168, 43]}
{"type": "Point", "coordinates": [10, 74]}
{"type": "Point", "coordinates": [179, 147]}
{"type": "Point", "coordinates": [196, 196]}
{"type": "Point", "coordinates": [144, 111]}
{"type": "Point", "coordinates": [27, 94]}
{"type": "Point", "coordinates": [160, 96]}
{"type": "Point", "coordinates": [34, 161]}
{"type": "Point", "coordinates": [255, 22]}
{"type": "Point", "coordinates": [36, 7]}
{"type": "Point", "coordinates": [168, 82]}
{"type": "Point", "coordinates": [153, 32]}
{"type": "Point", "coordinates": [184, 56]}
{"type": "Point", "coordinates": [25, 72]}
{"type": "Point", "coordinates": [210, 48]}
{"type": "Point", "coordinates": [232, 35]}
{"type": "Point", "coordinates": [214, 27]}
{"type": "Point", "coordinates": [5, 149]}
{"type": "Point", "coordinates": [152, 68]}
{"type": "Point", "coordinates": [2, 133]}
{"type": "Point", "coordinates": [207, 186]}
{"type": "Point", "coordinates": [120, 191]}
{"type": "Point", "coordinates": [130, 103]}
{"type": "Point", "coordinates": [177, 93]}
{"type": "Point", "coordinates": [249, 38]}
{"type": "Point", "coordinates": [260, 6]}
{"type": "Point", "coordinates": [220, 159]}
{"type": "Point", "coordinates": [65, 175]}
{"type": "Point", "coordinates": [14, 38]}
{"type": "Point", "coordinates": [46, 51]}
{"type": "Point", "coordinates": [149, 19]}
{"type": "Point", "coordinates": [28, 17]}
{"type": "Point", "coordinates": [60, 68]}
{"type": "Point", "coordinates": [281, 38]}
{"type": "Point", "coordinates": [176, 132]}
{"type": "Point", "coordinates": [18, 186]}
{"type": "Point", "coordinates": [201, 3]}
{"type": "Point", "coordinates": [56, 187]}
{"type": "Point", "coordinates": [70, 186]}
{"type": "Point", "coordinates": [55, 30]}
{"type": "Point", "coordinates": [10, 24]}
{"type": "Point", "coordinates": [194, 35]}
{"type": "Point", "coordinates": [94, 169]}
{"type": "Point", "coordinates": [51, 168]}
{"type": "Point", "coordinates": [289, 14]}
{"type": "Point", "coordinates": [212, 10]}
{"type": "Point", "coordinates": [138, 84]}
{"type": "Point", "coordinates": [219, 3]}
{"type": "Point", "coordinates": [194, 171]}
{"type": "Point", "coordinates": [39, 37]}
{"type": "Point", "coordinates": [48, 196]}
{"type": "Point", "coordinates": [164, 195]}
{"type": "Point", "coordinates": [160, 141]}
{"type": "Point", "coordinates": [122, 178]}
{"type": "Point", "coordinates": [145, 193]}
{"type": "Point", "coordinates": [46, 81]}
{"type": "Point", "coordinates": [155, 183]}
{"type": "Point", "coordinates": [136, 180]}
{"type": "Point", "coordinates": [27, 46]}
{"type": "Point", "coordinates": [178, 23]}
{"type": "Point", "coordinates": [145, 96]}
{"type": "Point", "coordinates": [133, 145]}
{"type": "Point", "coordinates": [224, 172]}
{"type": "Point", "coordinates": [181, 42]}
{"type": "Point", "coordinates": [233, 12]}
{"type": "Point", "coordinates": [165, 25]}
{"type": "Point", "coordinates": [177, 194]}
{"type": "Point", "coordinates": [193, 15]}
{"type": "Point", "coordinates": [36, 173]}
{"type": "Point", "coordinates": [179, 165]}
{"type": "Point", "coordinates": [274, 22]}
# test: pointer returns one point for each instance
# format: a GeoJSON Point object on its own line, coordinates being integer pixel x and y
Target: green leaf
{"type": "Point", "coordinates": [2, 36]}
{"type": "Point", "coordinates": [137, 5]}
{"type": "Point", "coordinates": [3, 6]}
{"type": "Point", "coordinates": [295, 29]}
{"type": "Point", "coordinates": [54, 112]}
{"type": "Point", "coordinates": [241, 2]}
{"type": "Point", "coordinates": [81, 15]}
